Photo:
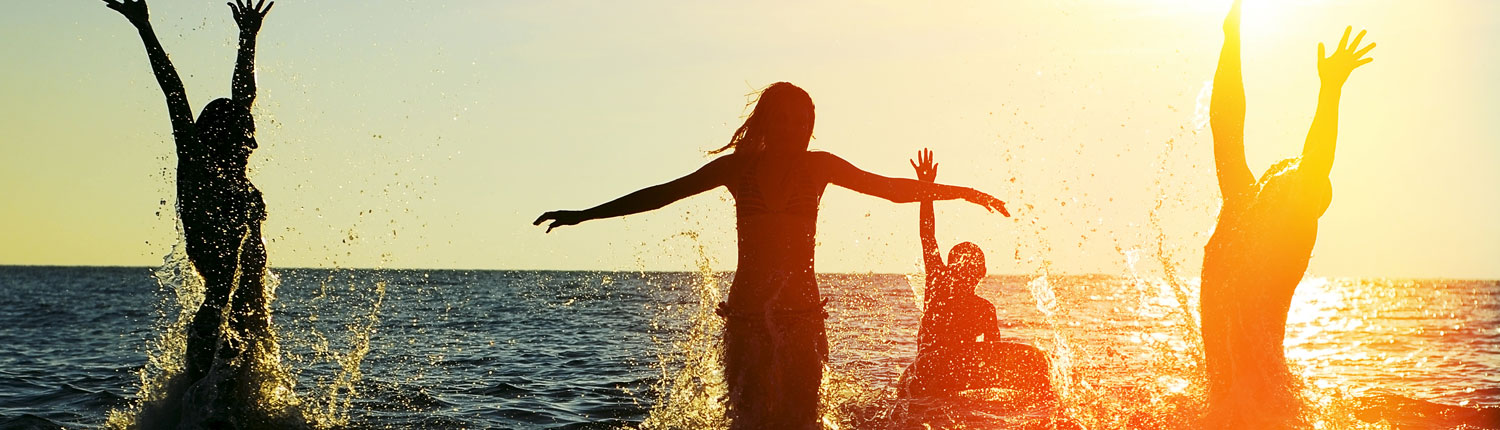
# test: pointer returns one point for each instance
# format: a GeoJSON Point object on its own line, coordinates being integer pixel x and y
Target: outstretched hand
{"type": "Point", "coordinates": [926, 169]}
{"type": "Point", "coordinates": [249, 14]}
{"type": "Point", "coordinates": [989, 202]}
{"type": "Point", "coordinates": [134, 10]}
{"type": "Point", "coordinates": [560, 218]}
{"type": "Point", "coordinates": [1335, 69]}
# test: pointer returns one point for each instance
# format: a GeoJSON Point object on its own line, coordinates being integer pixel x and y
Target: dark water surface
{"type": "Point", "coordinates": [516, 349]}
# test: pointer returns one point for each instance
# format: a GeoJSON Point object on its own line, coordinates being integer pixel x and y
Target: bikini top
{"type": "Point", "coordinates": [796, 198]}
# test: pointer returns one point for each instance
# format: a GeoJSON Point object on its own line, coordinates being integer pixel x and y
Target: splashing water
{"type": "Point", "coordinates": [1125, 348]}
{"type": "Point", "coordinates": [690, 392]}
{"type": "Point", "coordinates": [261, 393]}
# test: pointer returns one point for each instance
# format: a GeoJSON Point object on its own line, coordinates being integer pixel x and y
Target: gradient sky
{"type": "Point", "coordinates": [428, 134]}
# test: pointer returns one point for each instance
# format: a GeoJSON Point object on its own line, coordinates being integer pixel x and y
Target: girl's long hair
{"type": "Point", "coordinates": [781, 121]}
{"type": "Point", "coordinates": [227, 131]}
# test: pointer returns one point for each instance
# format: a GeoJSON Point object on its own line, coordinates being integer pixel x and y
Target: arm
{"type": "Point", "coordinates": [651, 198]}
{"type": "Point", "coordinates": [899, 190]}
{"type": "Point", "coordinates": [926, 224]}
{"type": "Point", "coordinates": [166, 75]}
{"type": "Point", "coordinates": [248, 17]}
{"type": "Point", "coordinates": [1226, 114]}
{"type": "Point", "coordinates": [1317, 152]}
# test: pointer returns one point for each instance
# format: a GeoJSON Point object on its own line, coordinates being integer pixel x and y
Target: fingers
{"type": "Point", "coordinates": [914, 165]}
{"type": "Point", "coordinates": [1361, 52]}
{"type": "Point", "coordinates": [1363, 62]}
{"type": "Point", "coordinates": [1320, 52]}
{"type": "Point", "coordinates": [268, 9]}
{"type": "Point", "coordinates": [544, 217]}
{"type": "Point", "coordinates": [1356, 40]}
{"type": "Point", "coordinates": [1003, 211]}
{"type": "Point", "coordinates": [1344, 41]}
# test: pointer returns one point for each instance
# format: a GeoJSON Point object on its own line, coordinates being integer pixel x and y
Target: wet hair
{"type": "Point", "coordinates": [782, 121]}
{"type": "Point", "coordinates": [966, 261]}
{"type": "Point", "coordinates": [225, 127]}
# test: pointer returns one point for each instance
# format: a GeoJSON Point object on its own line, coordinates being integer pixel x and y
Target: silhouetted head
{"type": "Point", "coordinates": [782, 122]}
{"type": "Point", "coordinates": [227, 131]}
{"type": "Point", "coordinates": [966, 265]}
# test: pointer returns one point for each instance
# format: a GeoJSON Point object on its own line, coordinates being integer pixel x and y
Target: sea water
{"type": "Point", "coordinates": [537, 349]}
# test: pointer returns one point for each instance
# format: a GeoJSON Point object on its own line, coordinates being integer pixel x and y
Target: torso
{"type": "Point", "coordinates": [210, 199]}
{"type": "Point", "coordinates": [952, 320]}
{"type": "Point", "coordinates": [776, 205]}
{"type": "Point", "coordinates": [1252, 264]}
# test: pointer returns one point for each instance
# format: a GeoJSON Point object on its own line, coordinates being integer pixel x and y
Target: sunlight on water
{"type": "Point", "coordinates": [1125, 348]}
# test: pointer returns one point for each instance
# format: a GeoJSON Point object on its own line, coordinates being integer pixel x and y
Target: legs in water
{"type": "Point", "coordinates": [213, 250]}
{"type": "Point", "coordinates": [233, 281]}
{"type": "Point", "coordinates": [203, 334]}
{"type": "Point", "coordinates": [249, 316]}
{"type": "Point", "coordinates": [773, 367]}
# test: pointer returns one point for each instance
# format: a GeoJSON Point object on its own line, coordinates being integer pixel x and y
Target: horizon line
{"type": "Point", "coordinates": [108, 266]}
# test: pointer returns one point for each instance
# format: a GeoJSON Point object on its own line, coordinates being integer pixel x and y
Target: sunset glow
{"type": "Point", "coordinates": [1149, 214]}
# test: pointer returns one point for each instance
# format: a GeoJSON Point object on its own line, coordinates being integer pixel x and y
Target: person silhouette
{"type": "Point", "coordinates": [958, 344]}
{"type": "Point", "coordinates": [774, 339]}
{"type": "Point", "coordinates": [221, 211]}
{"type": "Point", "coordinates": [1262, 242]}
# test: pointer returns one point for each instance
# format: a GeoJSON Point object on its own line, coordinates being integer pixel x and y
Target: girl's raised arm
{"type": "Point", "coordinates": [166, 75]}
{"type": "Point", "coordinates": [1226, 114]}
{"type": "Point", "coordinates": [248, 17]}
{"type": "Point", "coordinates": [1317, 151]}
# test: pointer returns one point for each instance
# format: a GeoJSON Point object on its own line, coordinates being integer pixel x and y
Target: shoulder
{"type": "Point", "coordinates": [726, 164]}
{"type": "Point", "coordinates": [1287, 181]}
{"type": "Point", "coordinates": [822, 157]}
{"type": "Point", "coordinates": [827, 165]}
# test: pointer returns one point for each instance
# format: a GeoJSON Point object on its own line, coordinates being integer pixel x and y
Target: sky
{"type": "Point", "coordinates": [429, 134]}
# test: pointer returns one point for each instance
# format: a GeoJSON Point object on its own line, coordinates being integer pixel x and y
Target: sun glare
{"type": "Point", "coordinates": [1258, 17]}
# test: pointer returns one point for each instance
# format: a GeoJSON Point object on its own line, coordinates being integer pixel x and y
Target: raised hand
{"type": "Point", "coordinates": [249, 14]}
{"type": "Point", "coordinates": [134, 10]}
{"type": "Point", "coordinates": [560, 218]}
{"type": "Point", "coordinates": [926, 169]}
{"type": "Point", "coordinates": [1335, 69]}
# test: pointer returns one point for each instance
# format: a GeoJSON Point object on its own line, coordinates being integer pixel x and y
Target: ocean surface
{"type": "Point", "coordinates": [582, 350]}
